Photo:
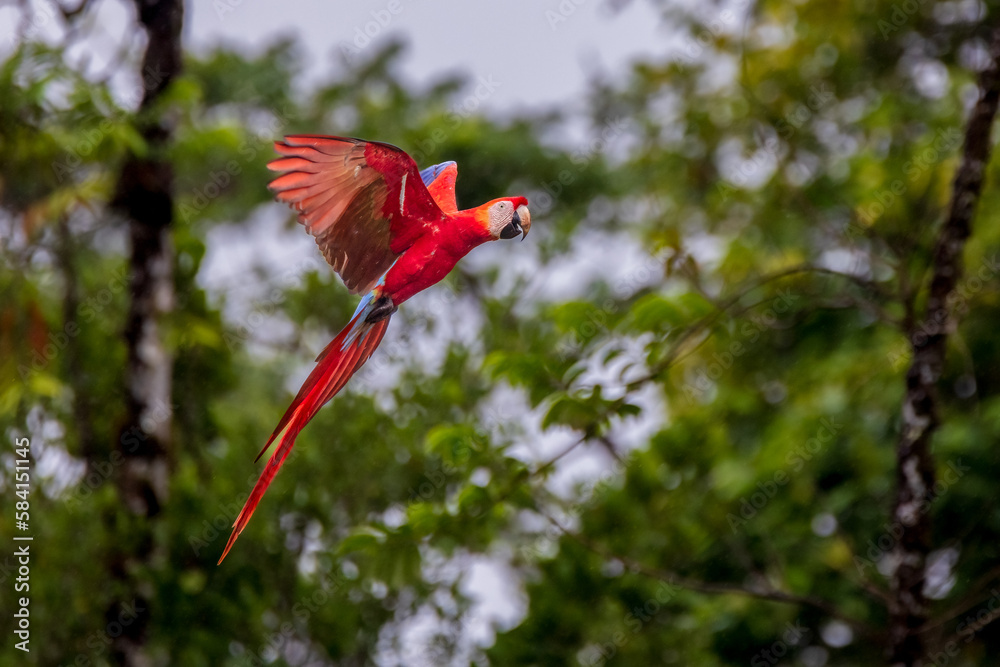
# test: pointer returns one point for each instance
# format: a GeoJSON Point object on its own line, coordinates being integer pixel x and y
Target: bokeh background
{"type": "Point", "coordinates": [675, 426]}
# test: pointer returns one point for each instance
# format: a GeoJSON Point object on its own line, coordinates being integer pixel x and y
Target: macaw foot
{"type": "Point", "coordinates": [384, 307]}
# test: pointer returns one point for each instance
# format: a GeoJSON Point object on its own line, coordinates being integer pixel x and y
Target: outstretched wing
{"type": "Point", "coordinates": [364, 201]}
{"type": "Point", "coordinates": [440, 182]}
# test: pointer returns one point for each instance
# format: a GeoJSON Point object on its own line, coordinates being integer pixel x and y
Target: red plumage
{"type": "Point", "coordinates": [388, 233]}
{"type": "Point", "coordinates": [334, 367]}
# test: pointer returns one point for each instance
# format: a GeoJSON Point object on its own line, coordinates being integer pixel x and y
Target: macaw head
{"type": "Point", "coordinates": [506, 218]}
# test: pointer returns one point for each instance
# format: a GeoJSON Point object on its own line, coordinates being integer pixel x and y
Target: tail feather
{"type": "Point", "coordinates": [314, 385]}
{"type": "Point", "coordinates": [335, 365]}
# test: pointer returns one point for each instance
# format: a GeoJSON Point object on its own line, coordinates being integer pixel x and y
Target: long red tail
{"type": "Point", "coordinates": [335, 365]}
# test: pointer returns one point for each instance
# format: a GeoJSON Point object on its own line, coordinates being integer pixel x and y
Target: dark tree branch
{"type": "Point", "coordinates": [678, 351]}
{"type": "Point", "coordinates": [976, 597]}
{"type": "Point", "coordinates": [764, 592]}
{"type": "Point", "coordinates": [555, 459]}
{"type": "Point", "coordinates": [908, 609]}
{"type": "Point", "coordinates": [145, 196]}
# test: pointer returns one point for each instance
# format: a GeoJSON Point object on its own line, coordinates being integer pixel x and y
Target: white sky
{"type": "Point", "coordinates": [538, 60]}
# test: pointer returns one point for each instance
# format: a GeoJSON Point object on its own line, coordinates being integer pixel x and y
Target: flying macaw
{"type": "Point", "coordinates": [390, 231]}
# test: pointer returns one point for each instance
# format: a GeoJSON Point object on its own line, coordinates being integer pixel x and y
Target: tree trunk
{"type": "Point", "coordinates": [145, 195]}
{"type": "Point", "coordinates": [914, 463]}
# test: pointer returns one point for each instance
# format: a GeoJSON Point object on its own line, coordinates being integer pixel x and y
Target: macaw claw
{"type": "Point", "coordinates": [384, 307]}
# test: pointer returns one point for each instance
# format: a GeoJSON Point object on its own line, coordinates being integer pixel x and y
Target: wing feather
{"type": "Point", "coordinates": [440, 182]}
{"type": "Point", "coordinates": [364, 202]}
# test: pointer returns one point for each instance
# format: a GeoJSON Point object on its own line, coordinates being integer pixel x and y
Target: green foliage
{"type": "Point", "coordinates": [739, 389]}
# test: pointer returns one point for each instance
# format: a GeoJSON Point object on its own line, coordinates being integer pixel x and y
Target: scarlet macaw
{"type": "Point", "coordinates": [390, 231]}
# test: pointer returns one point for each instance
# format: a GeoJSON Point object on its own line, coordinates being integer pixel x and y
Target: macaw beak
{"type": "Point", "coordinates": [519, 224]}
{"type": "Point", "coordinates": [522, 218]}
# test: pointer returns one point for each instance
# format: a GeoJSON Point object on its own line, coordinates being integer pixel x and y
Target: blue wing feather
{"type": "Point", "coordinates": [430, 173]}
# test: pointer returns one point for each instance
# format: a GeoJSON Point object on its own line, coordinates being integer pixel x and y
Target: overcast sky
{"type": "Point", "coordinates": [541, 52]}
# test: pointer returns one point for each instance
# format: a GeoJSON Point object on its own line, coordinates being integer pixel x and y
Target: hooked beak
{"type": "Point", "coordinates": [512, 229]}
{"type": "Point", "coordinates": [523, 217]}
{"type": "Point", "coordinates": [519, 224]}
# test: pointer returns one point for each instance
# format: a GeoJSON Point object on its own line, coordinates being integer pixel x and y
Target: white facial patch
{"type": "Point", "coordinates": [501, 214]}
